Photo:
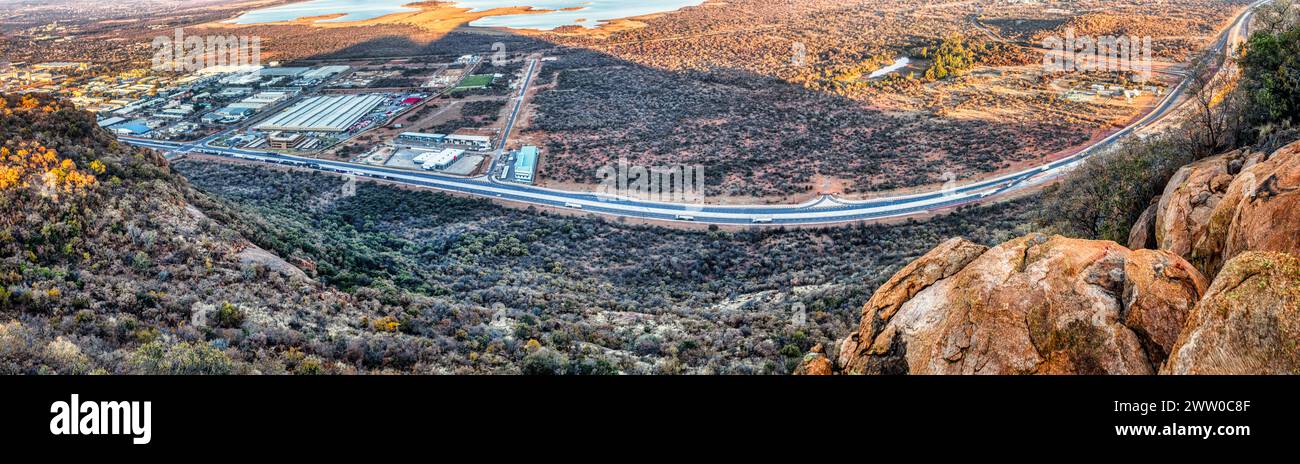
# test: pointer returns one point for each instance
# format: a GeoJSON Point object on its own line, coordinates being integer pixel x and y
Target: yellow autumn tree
{"type": "Point", "coordinates": [29, 164]}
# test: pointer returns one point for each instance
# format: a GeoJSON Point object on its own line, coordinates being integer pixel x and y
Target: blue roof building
{"type": "Point", "coordinates": [136, 127]}
{"type": "Point", "coordinates": [526, 164]}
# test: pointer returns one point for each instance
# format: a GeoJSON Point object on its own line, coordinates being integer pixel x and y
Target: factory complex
{"type": "Point", "coordinates": [323, 114]}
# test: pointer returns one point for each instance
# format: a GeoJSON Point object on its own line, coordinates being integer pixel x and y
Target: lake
{"type": "Point", "coordinates": [590, 13]}
{"type": "Point", "coordinates": [899, 63]}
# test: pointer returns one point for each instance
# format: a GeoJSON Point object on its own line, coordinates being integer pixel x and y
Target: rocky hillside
{"type": "Point", "coordinates": [115, 261]}
{"type": "Point", "coordinates": [1210, 284]}
{"type": "Point", "coordinates": [106, 267]}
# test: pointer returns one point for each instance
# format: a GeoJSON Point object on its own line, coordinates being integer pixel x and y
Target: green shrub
{"type": "Point", "coordinates": [544, 362]}
{"type": "Point", "coordinates": [228, 316]}
{"type": "Point", "coordinates": [1102, 198]}
{"type": "Point", "coordinates": [186, 358]}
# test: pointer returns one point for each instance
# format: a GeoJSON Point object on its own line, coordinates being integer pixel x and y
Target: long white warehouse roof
{"type": "Point", "coordinates": [323, 114]}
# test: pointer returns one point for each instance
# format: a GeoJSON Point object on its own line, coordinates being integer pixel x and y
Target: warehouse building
{"type": "Point", "coordinates": [422, 138]}
{"type": "Point", "coordinates": [438, 159]}
{"type": "Point", "coordinates": [283, 72]}
{"type": "Point", "coordinates": [323, 114]}
{"type": "Point", "coordinates": [470, 142]}
{"type": "Point", "coordinates": [227, 115]}
{"type": "Point", "coordinates": [526, 164]}
{"type": "Point", "coordinates": [135, 127]}
{"type": "Point", "coordinates": [324, 72]}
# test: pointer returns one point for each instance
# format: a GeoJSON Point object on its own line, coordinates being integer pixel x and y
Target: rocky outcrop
{"type": "Point", "coordinates": [1260, 211]}
{"type": "Point", "coordinates": [1039, 305]}
{"type": "Point", "coordinates": [254, 255]}
{"type": "Point", "coordinates": [1248, 322]}
{"type": "Point", "coordinates": [815, 363]}
{"type": "Point", "coordinates": [1183, 213]}
{"type": "Point", "coordinates": [1143, 234]}
{"type": "Point", "coordinates": [1219, 207]}
{"type": "Point", "coordinates": [1035, 305]}
{"type": "Point", "coordinates": [1160, 290]}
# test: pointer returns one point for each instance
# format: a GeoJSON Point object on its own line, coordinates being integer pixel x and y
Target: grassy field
{"type": "Point", "coordinates": [476, 81]}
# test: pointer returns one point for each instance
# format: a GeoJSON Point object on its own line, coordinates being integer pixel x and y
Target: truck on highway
{"type": "Point", "coordinates": [762, 220]}
{"type": "Point", "coordinates": [573, 205]}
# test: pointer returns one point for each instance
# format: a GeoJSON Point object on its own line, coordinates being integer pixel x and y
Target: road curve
{"type": "Point", "coordinates": [823, 210]}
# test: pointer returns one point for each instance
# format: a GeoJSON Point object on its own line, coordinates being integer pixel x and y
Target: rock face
{"type": "Point", "coordinates": [1039, 305]}
{"type": "Point", "coordinates": [815, 363]}
{"type": "Point", "coordinates": [1034, 305]}
{"type": "Point", "coordinates": [1143, 234]}
{"type": "Point", "coordinates": [1259, 212]}
{"type": "Point", "coordinates": [1219, 207]}
{"type": "Point", "coordinates": [1248, 322]}
{"type": "Point", "coordinates": [1184, 210]}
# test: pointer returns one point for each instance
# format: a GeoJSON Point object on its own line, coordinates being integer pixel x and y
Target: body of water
{"type": "Point", "coordinates": [898, 64]}
{"type": "Point", "coordinates": [353, 10]}
{"type": "Point", "coordinates": [587, 13]}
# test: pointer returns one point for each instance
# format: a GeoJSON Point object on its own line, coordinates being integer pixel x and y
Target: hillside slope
{"type": "Point", "coordinates": [106, 267]}
{"type": "Point", "coordinates": [133, 265]}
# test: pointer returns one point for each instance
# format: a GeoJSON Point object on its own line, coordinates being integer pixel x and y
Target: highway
{"type": "Point", "coordinates": [823, 210]}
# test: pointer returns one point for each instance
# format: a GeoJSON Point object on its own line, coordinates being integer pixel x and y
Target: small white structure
{"type": "Point", "coordinates": [431, 160]}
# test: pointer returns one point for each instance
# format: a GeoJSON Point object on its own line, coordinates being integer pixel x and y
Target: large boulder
{"type": "Point", "coordinates": [1034, 305]}
{"type": "Point", "coordinates": [1248, 322]}
{"type": "Point", "coordinates": [1183, 213]}
{"type": "Point", "coordinates": [1143, 234]}
{"type": "Point", "coordinates": [940, 263]}
{"type": "Point", "coordinates": [1260, 211]}
{"type": "Point", "coordinates": [1224, 205]}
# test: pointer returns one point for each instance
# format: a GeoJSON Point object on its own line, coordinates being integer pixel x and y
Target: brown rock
{"type": "Point", "coordinates": [1030, 306]}
{"type": "Point", "coordinates": [1159, 293]}
{"type": "Point", "coordinates": [1260, 211]}
{"type": "Point", "coordinates": [1219, 183]}
{"type": "Point", "coordinates": [1143, 234]}
{"type": "Point", "coordinates": [1184, 210]}
{"type": "Point", "coordinates": [1248, 322]}
{"type": "Point", "coordinates": [815, 363]}
{"type": "Point", "coordinates": [941, 262]}
{"type": "Point", "coordinates": [1224, 205]}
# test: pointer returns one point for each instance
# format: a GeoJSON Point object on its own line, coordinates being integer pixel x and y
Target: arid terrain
{"type": "Point", "coordinates": [774, 98]}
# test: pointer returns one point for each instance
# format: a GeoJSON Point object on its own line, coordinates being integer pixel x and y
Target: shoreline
{"type": "Point", "coordinates": [443, 17]}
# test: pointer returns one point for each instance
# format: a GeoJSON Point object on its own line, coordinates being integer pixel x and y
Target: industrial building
{"type": "Point", "coordinates": [284, 141]}
{"type": "Point", "coordinates": [283, 72]}
{"type": "Point", "coordinates": [461, 141]}
{"type": "Point", "coordinates": [323, 114]}
{"type": "Point", "coordinates": [227, 115]}
{"type": "Point", "coordinates": [431, 160]}
{"type": "Point", "coordinates": [324, 72]}
{"type": "Point", "coordinates": [526, 164]}
{"type": "Point", "coordinates": [422, 138]}
{"type": "Point", "coordinates": [469, 142]}
{"type": "Point", "coordinates": [134, 127]}
{"type": "Point", "coordinates": [111, 121]}
{"type": "Point", "coordinates": [261, 100]}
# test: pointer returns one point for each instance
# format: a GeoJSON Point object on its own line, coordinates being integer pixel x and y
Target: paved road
{"type": "Point", "coordinates": [824, 210]}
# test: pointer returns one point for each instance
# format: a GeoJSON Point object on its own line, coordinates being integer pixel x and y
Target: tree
{"type": "Point", "coordinates": [951, 58]}
{"type": "Point", "coordinates": [1270, 67]}
{"type": "Point", "coordinates": [1208, 89]}
{"type": "Point", "coordinates": [1277, 16]}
